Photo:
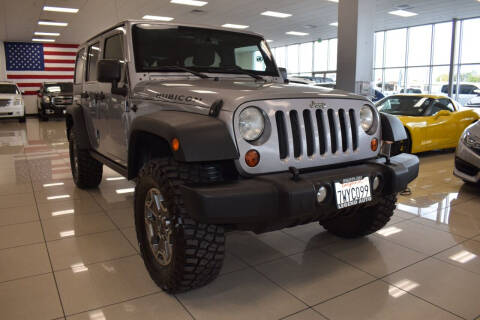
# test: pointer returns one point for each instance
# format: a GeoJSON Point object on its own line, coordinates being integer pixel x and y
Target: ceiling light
{"type": "Point", "coordinates": [56, 184]}
{"type": "Point", "coordinates": [51, 34]}
{"type": "Point", "coordinates": [389, 231]}
{"type": "Point", "coordinates": [336, 1]}
{"type": "Point", "coordinates": [403, 13]}
{"type": "Point", "coordinates": [296, 33]}
{"type": "Point", "coordinates": [126, 190]}
{"type": "Point", "coordinates": [276, 14]}
{"type": "Point", "coordinates": [158, 18]}
{"type": "Point", "coordinates": [194, 3]}
{"type": "Point", "coordinates": [234, 26]}
{"type": "Point", "coordinates": [42, 40]}
{"type": "Point", "coordinates": [334, 24]}
{"type": "Point", "coordinates": [115, 178]}
{"type": "Point", "coordinates": [60, 9]}
{"type": "Point", "coordinates": [52, 23]}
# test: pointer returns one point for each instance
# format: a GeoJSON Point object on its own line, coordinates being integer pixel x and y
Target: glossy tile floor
{"type": "Point", "coordinates": [69, 253]}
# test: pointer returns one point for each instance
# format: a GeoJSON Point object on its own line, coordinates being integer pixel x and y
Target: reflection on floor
{"type": "Point", "coordinates": [70, 253]}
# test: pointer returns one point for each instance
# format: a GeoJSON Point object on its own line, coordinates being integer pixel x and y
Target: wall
{"type": "Point", "coordinates": [3, 73]}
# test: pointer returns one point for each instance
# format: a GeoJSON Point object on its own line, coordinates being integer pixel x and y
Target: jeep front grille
{"type": "Point", "coordinates": [316, 132]}
{"type": "Point", "coordinates": [306, 133]}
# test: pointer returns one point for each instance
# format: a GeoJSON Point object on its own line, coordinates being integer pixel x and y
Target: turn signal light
{"type": "Point", "coordinates": [252, 158]}
{"type": "Point", "coordinates": [175, 144]}
{"type": "Point", "coordinates": [374, 144]}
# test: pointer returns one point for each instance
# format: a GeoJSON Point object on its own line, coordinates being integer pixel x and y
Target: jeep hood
{"type": "Point", "coordinates": [203, 92]}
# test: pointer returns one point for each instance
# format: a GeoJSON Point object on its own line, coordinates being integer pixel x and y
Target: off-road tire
{"type": "Point", "coordinates": [362, 221]}
{"type": "Point", "coordinates": [198, 249]}
{"type": "Point", "coordinates": [86, 171]}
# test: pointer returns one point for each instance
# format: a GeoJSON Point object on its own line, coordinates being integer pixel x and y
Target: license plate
{"type": "Point", "coordinates": [353, 191]}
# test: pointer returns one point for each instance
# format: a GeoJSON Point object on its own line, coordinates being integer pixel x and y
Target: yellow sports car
{"type": "Point", "coordinates": [432, 122]}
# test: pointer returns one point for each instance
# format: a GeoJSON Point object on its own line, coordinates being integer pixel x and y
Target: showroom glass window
{"type": "Point", "coordinates": [80, 66]}
{"type": "Point", "coordinates": [206, 50]}
{"type": "Point", "coordinates": [292, 59]}
{"type": "Point", "coordinates": [93, 53]}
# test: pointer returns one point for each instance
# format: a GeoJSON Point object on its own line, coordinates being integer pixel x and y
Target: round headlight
{"type": "Point", "coordinates": [366, 118]}
{"type": "Point", "coordinates": [46, 99]}
{"type": "Point", "coordinates": [251, 123]}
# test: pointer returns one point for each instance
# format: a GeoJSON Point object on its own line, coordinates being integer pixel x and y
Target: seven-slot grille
{"type": "Point", "coordinates": [313, 131]}
{"type": "Point", "coordinates": [5, 102]}
{"type": "Point", "coordinates": [62, 100]}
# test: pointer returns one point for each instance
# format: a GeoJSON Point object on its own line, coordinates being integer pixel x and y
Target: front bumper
{"type": "Point", "coordinates": [275, 201]}
{"type": "Point", "coordinates": [467, 163]}
{"type": "Point", "coordinates": [12, 112]}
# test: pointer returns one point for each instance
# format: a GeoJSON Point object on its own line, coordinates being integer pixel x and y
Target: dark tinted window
{"type": "Point", "coordinates": [200, 49]}
{"type": "Point", "coordinates": [9, 89]}
{"type": "Point", "coordinates": [80, 66]}
{"type": "Point", "coordinates": [114, 47]}
{"type": "Point", "coordinates": [404, 105]}
{"type": "Point", "coordinates": [467, 89]}
{"type": "Point", "coordinates": [93, 53]}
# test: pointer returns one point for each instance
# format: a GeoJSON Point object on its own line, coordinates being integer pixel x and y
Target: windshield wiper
{"type": "Point", "coordinates": [195, 73]}
{"type": "Point", "coordinates": [237, 68]}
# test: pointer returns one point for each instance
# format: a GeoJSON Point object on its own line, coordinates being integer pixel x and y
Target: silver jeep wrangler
{"type": "Point", "coordinates": [217, 140]}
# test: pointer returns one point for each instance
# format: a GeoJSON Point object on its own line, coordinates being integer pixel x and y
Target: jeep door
{"type": "Point", "coordinates": [93, 100]}
{"type": "Point", "coordinates": [116, 104]}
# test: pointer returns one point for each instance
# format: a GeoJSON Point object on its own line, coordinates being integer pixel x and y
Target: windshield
{"type": "Point", "coordinates": [204, 50]}
{"type": "Point", "coordinates": [59, 87]}
{"type": "Point", "coordinates": [405, 106]}
{"type": "Point", "coordinates": [8, 89]}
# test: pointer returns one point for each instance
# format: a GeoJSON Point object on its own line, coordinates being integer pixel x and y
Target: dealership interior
{"type": "Point", "coordinates": [254, 159]}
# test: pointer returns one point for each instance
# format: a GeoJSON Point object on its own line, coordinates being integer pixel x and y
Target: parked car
{"type": "Point", "coordinates": [411, 90]}
{"type": "Point", "coordinates": [216, 141]}
{"type": "Point", "coordinates": [53, 98]}
{"type": "Point", "coordinates": [299, 80]}
{"type": "Point", "coordinates": [467, 92]}
{"type": "Point", "coordinates": [467, 155]}
{"type": "Point", "coordinates": [432, 122]}
{"type": "Point", "coordinates": [12, 105]}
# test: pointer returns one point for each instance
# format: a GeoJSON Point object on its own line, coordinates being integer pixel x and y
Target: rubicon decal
{"type": "Point", "coordinates": [177, 97]}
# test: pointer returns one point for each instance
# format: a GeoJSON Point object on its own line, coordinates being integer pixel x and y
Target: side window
{"type": "Point", "coordinates": [79, 67]}
{"type": "Point", "coordinates": [114, 47]}
{"type": "Point", "coordinates": [93, 53]}
{"type": "Point", "coordinates": [466, 89]}
{"type": "Point", "coordinates": [442, 104]}
{"type": "Point", "coordinates": [249, 58]}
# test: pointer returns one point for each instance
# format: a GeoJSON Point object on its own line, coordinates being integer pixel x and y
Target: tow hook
{"type": "Point", "coordinates": [295, 173]}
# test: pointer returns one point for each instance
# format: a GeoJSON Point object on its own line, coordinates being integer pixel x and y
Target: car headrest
{"type": "Point", "coordinates": [204, 56]}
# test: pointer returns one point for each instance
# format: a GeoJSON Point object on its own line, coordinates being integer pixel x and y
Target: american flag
{"type": "Point", "coordinates": [31, 64]}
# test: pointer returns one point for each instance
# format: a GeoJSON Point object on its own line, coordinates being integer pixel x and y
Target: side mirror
{"type": "Point", "coordinates": [109, 71]}
{"type": "Point", "coordinates": [443, 113]}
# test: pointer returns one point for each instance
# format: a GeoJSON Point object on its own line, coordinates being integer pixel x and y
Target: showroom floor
{"type": "Point", "coordinates": [69, 252]}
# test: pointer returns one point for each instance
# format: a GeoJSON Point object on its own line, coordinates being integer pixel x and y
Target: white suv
{"type": "Point", "coordinates": [11, 102]}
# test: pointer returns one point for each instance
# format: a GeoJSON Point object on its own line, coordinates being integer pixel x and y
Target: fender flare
{"type": "Point", "coordinates": [75, 117]}
{"type": "Point", "coordinates": [392, 128]}
{"type": "Point", "coordinates": [202, 138]}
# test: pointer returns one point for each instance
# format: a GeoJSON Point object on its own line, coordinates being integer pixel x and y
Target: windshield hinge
{"type": "Point", "coordinates": [215, 108]}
